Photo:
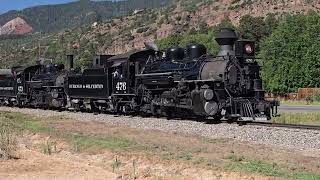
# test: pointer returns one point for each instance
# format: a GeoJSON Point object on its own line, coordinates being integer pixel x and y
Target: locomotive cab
{"type": "Point", "coordinates": [123, 71]}
{"type": "Point", "coordinates": [125, 68]}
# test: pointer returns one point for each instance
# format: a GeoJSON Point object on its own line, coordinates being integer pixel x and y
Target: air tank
{"type": "Point", "coordinates": [175, 54]}
{"type": "Point", "coordinates": [195, 50]}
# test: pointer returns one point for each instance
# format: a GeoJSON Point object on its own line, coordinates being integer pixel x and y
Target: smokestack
{"type": "Point", "coordinates": [226, 38]}
{"type": "Point", "coordinates": [69, 62]}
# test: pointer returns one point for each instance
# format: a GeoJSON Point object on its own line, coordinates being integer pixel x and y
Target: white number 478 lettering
{"type": "Point", "coordinates": [121, 86]}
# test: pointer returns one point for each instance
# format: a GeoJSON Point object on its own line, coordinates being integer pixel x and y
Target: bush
{"type": "Point", "coordinates": [8, 143]}
{"type": "Point", "coordinates": [313, 98]}
{"type": "Point", "coordinates": [142, 29]}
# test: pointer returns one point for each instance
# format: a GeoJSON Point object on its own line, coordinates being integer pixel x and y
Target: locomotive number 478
{"type": "Point", "coordinates": [121, 86]}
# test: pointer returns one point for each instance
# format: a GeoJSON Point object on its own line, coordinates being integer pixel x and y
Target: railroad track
{"type": "Point", "coordinates": [263, 123]}
{"type": "Point", "coordinates": [291, 126]}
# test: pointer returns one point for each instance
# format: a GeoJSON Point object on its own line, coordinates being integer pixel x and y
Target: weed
{"type": "Point", "coordinates": [184, 156]}
{"type": "Point", "coordinates": [49, 147]}
{"type": "Point", "coordinates": [235, 158]}
{"type": "Point", "coordinates": [134, 169]}
{"type": "Point", "coordinates": [115, 165]}
{"type": "Point", "coordinates": [168, 155]}
{"type": "Point", "coordinates": [214, 141]}
{"type": "Point", "coordinates": [76, 147]}
{"type": "Point", "coordinates": [200, 160]}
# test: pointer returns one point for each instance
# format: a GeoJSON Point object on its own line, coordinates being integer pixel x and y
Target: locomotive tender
{"type": "Point", "coordinates": [175, 83]}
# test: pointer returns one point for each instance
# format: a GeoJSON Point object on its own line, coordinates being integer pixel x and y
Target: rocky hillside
{"type": "Point", "coordinates": [53, 18]}
{"type": "Point", "coordinates": [130, 32]}
{"type": "Point", "coordinates": [17, 26]}
{"type": "Point", "coordinates": [186, 16]}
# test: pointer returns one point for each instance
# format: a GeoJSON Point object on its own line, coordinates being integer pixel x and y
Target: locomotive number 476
{"type": "Point", "coordinates": [121, 86]}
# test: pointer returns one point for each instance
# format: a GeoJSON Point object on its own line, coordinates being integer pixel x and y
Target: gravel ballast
{"type": "Point", "coordinates": [281, 137]}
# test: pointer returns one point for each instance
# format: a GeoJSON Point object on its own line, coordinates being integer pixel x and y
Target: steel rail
{"type": "Point", "coordinates": [283, 125]}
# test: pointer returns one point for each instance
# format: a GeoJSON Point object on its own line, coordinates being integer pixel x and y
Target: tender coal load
{"type": "Point", "coordinates": [175, 54]}
{"type": "Point", "coordinates": [194, 51]}
{"type": "Point", "coordinates": [226, 39]}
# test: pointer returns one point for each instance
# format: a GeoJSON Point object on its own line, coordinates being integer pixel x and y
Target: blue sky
{"type": "Point", "coordinates": [6, 5]}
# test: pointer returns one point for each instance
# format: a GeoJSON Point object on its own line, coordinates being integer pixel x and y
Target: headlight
{"type": "Point", "coordinates": [248, 48]}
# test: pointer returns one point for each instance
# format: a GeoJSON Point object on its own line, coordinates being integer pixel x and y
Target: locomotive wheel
{"type": "Point", "coordinates": [217, 117]}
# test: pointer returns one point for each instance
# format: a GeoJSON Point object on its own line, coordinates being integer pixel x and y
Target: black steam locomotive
{"type": "Point", "coordinates": [173, 83]}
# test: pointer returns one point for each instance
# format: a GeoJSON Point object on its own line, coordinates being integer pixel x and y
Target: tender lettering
{"type": "Point", "coordinates": [6, 88]}
{"type": "Point", "coordinates": [86, 86]}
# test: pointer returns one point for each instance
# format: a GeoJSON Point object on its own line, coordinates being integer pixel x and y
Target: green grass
{"type": "Point", "coordinates": [253, 166]}
{"type": "Point", "coordinates": [302, 102]}
{"type": "Point", "coordinates": [111, 143]}
{"type": "Point", "coordinates": [299, 118]}
{"type": "Point", "coordinates": [22, 122]}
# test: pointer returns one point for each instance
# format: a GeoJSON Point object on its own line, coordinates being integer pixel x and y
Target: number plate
{"type": "Point", "coordinates": [121, 87]}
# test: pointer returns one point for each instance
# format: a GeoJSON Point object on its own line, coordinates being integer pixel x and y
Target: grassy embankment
{"type": "Point", "coordinates": [86, 142]}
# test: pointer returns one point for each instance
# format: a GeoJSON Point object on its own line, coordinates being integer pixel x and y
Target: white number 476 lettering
{"type": "Point", "coordinates": [121, 86]}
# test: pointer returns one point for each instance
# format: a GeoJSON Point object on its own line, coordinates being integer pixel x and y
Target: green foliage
{"type": "Point", "coordinates": [190, 8]}
{"type": "Point", "coordinates": [204, 36]}
{"type": "Point", "coordinates": [291, 55]}
{"type": "Point", "coordinates": [256, 28]}
{"type": "Point", "coordinates": [313, 98]}
{"type": "Point", "coordinates": [170, 41]}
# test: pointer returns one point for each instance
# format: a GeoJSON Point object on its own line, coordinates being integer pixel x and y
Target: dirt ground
{"type": "Point", "coordinates": [68, 163]}
{"type": "Point", "coordinates": [64, 164]}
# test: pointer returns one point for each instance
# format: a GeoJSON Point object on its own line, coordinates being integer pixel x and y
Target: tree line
{"type": "Point", "coordinates": [287, 47]}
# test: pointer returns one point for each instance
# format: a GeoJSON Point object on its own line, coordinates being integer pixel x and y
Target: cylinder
{"type": "Point", "coordinates": [69, 62]}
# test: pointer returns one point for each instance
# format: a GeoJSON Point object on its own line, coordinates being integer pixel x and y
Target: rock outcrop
{"type": "Point", "coordinates": [17, 26]}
